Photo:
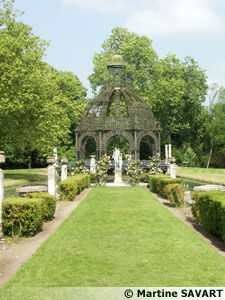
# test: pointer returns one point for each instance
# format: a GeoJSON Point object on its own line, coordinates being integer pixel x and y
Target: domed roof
{"type": "Point", "coordinates": [116, 106]}
{"type": "Point", "coordinates": [117, 60]}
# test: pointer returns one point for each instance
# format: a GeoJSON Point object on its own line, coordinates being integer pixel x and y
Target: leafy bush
{"type": "Point", "coordinates": [195, 209]}
{"type": "Point", "coordinates": [79, 168]}
{"type": "Point", "coordinates": [157, 183]}
{"type": "Point", "coordinates": [175, 193]}
{"type": "Point", "coordinates": [154, 165]}
{"type": "Point", "coordinates": [209, 209]}
{"type": "Point", "coordinates": [22, 217]}
{"type": "Point", "coordinates": [102, 168]}
{"type": "Point", "coordinates": [49, 204]}
{"type": "Point", "coordinates": [154, 182]}
{"type": "Point", "coordinates": [134, 170]}
{"type": "Point", "coordinates": [144, 177]}
{"type": "Point", "coordinates": [72, 186]}
{"type": "Point", "coordinates": [93, 178]}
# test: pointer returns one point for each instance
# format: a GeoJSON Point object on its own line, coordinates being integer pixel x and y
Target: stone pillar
{"type": "Point", "coordinates": [118, 176]}
{"type": "Point", "coordinates": [172, 171]}
{"type": "Point", "coordinates": [51, 176]}
{"type": "Point", "coordinates": [93, 164]}
{"type": "Point", "coordinates": [64, 162]}
{"type": "Point", "coordinates": [135, 144]}
{"type": "Point", "coordinates": [100, 144]}
{"type": "Point", "coordinates": [166, 153]}
{"type": "Point", "coordinates": [170, 150]}
{"type": "Point", "coordinates": [2, 160]}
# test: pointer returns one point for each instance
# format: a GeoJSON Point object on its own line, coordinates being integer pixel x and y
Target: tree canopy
{"type": "Point", "coordinates": [39, 106]}
{"type": "Point", "coordinates": [174, 89]}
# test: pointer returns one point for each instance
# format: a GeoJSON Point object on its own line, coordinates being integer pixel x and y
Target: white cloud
{"type": "Point", "coordinates": [105, 6]}
{"type": "Point", "coordinates": [163, 17]}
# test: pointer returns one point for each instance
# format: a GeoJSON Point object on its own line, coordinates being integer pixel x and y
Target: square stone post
{"type": "Point", "coordinates": [64, 162]}
{"type": "Point", "coordinates": [2, 160]}
{"type": "Point", "coordinates": [172, 170]}
{"type": "Point", "coordinates": [51, 176]}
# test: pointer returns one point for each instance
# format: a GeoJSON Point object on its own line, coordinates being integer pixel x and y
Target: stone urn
{"type": "Point", "coordinates": [51, 160]}
{"type": "Point", "coordinates": [172, 160]}
{"type": "Point", "coordinates": [64, 160]}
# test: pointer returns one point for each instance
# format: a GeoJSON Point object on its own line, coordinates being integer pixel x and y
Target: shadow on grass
{"type": "Point", "coordinates": [216, 241]}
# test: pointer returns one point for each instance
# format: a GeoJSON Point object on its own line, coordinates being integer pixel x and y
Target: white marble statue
{"type": "Point", "coordinates": [117, 156]}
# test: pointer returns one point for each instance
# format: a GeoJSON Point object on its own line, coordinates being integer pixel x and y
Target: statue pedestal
{"type": "Point", "coordinates": [118, 176]}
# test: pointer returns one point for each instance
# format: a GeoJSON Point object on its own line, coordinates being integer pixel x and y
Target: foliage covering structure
{"type": "Point", "coordinates": [174, 89]}
{"type": "Point", "coordinates": [175, 193]}
{"type": "Point", "coordinates": [158, 183]}
{"type": "Point", "coordinates": [49, 204]}
{"type": "Point", "coordinates": [209, 210]}
{"type": "Point", "coordinates": [22, 217]}
{"type": "Point", "coordinates": [72, 186]}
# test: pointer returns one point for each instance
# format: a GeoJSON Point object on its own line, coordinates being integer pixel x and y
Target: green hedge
{"type": "Point", "coordinates": [144, 178]}
{"type": "Point", "coordinates": [209, 210]}
{"type": "Point", "coordinates": [49, 204]}
{"type": "Point", "coordinates": [175, 193]}
{"type": "Point", "coordinates": [157, 183]}
{"type": "Point", "coordinates": [22, 217]}
{"type": "Point", "coordinates": [72, 186]}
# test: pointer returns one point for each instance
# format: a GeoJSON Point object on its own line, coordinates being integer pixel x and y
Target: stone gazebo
{"type": "Point", "coordinates": [117, 111]}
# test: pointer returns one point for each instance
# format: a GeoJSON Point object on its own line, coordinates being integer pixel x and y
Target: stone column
{"type": "Point", "coordinates": [100, 144]}
{"type": "Point", "coordinates": [166, 153]}
{"type": "Point", "coordinates": [51, 176]}
{"type": "Point", "coordinates": [172, 171]}
{"type": "Point", "coordinates": [135, 144]}
{"type": "Point", "coordinates": [2, 160]}
{"type": "Point", "coordinates": [170, 150]}
{"type": "Point", "coordinates": [93, 164]}
{"type": "Point", "coordinates": [64, 162]}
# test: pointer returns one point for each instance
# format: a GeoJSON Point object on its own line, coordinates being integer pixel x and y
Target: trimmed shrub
{"type": "Point", "coordinates": [49, 204]}
{"type": "Point", "coordinates": [93, 178]}
{"type": "Point", "coordinates": [175, 193]}
{"type": "Point", "coordinates": [209, 209]}
{"type": "Point", "coordinates": [157, 183]}
{"type": "Point", "coordinates": [22, 217]}
{"type": "Point", "coordinates": [195, 209]}
{"type": "Point", "coordinates": [72, 186]}
{"type": "Point", "coordinates": [154, 182]}
{"type": "Point", "coordinates": [144, 178]}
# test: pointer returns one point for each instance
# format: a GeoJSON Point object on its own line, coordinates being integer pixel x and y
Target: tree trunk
{"type": "Point", "coordinates": [210, 155]}
{"type": "Point", "coordinates": [29, 163]}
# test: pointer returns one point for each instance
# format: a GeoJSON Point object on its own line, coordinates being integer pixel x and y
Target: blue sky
{"type": "Point", "coordinates": [77, 28]}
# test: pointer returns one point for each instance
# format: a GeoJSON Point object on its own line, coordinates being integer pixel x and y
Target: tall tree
{"type": "Point", "coordinates": [34, 102]}
{"type": "Point", "coordinates": [174, 89]}
{"type": "Point", "coordinates": [138, 54]}
{"type": "Point", "coordinates": [216, 127]}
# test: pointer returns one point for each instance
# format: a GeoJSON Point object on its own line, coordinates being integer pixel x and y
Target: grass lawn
{"type": "Point", "coordinates": [23, 177]}
{"type": "Point", "coordinates": [122, 237]}
{"type": "Point", "coordinates": [214, 176]}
